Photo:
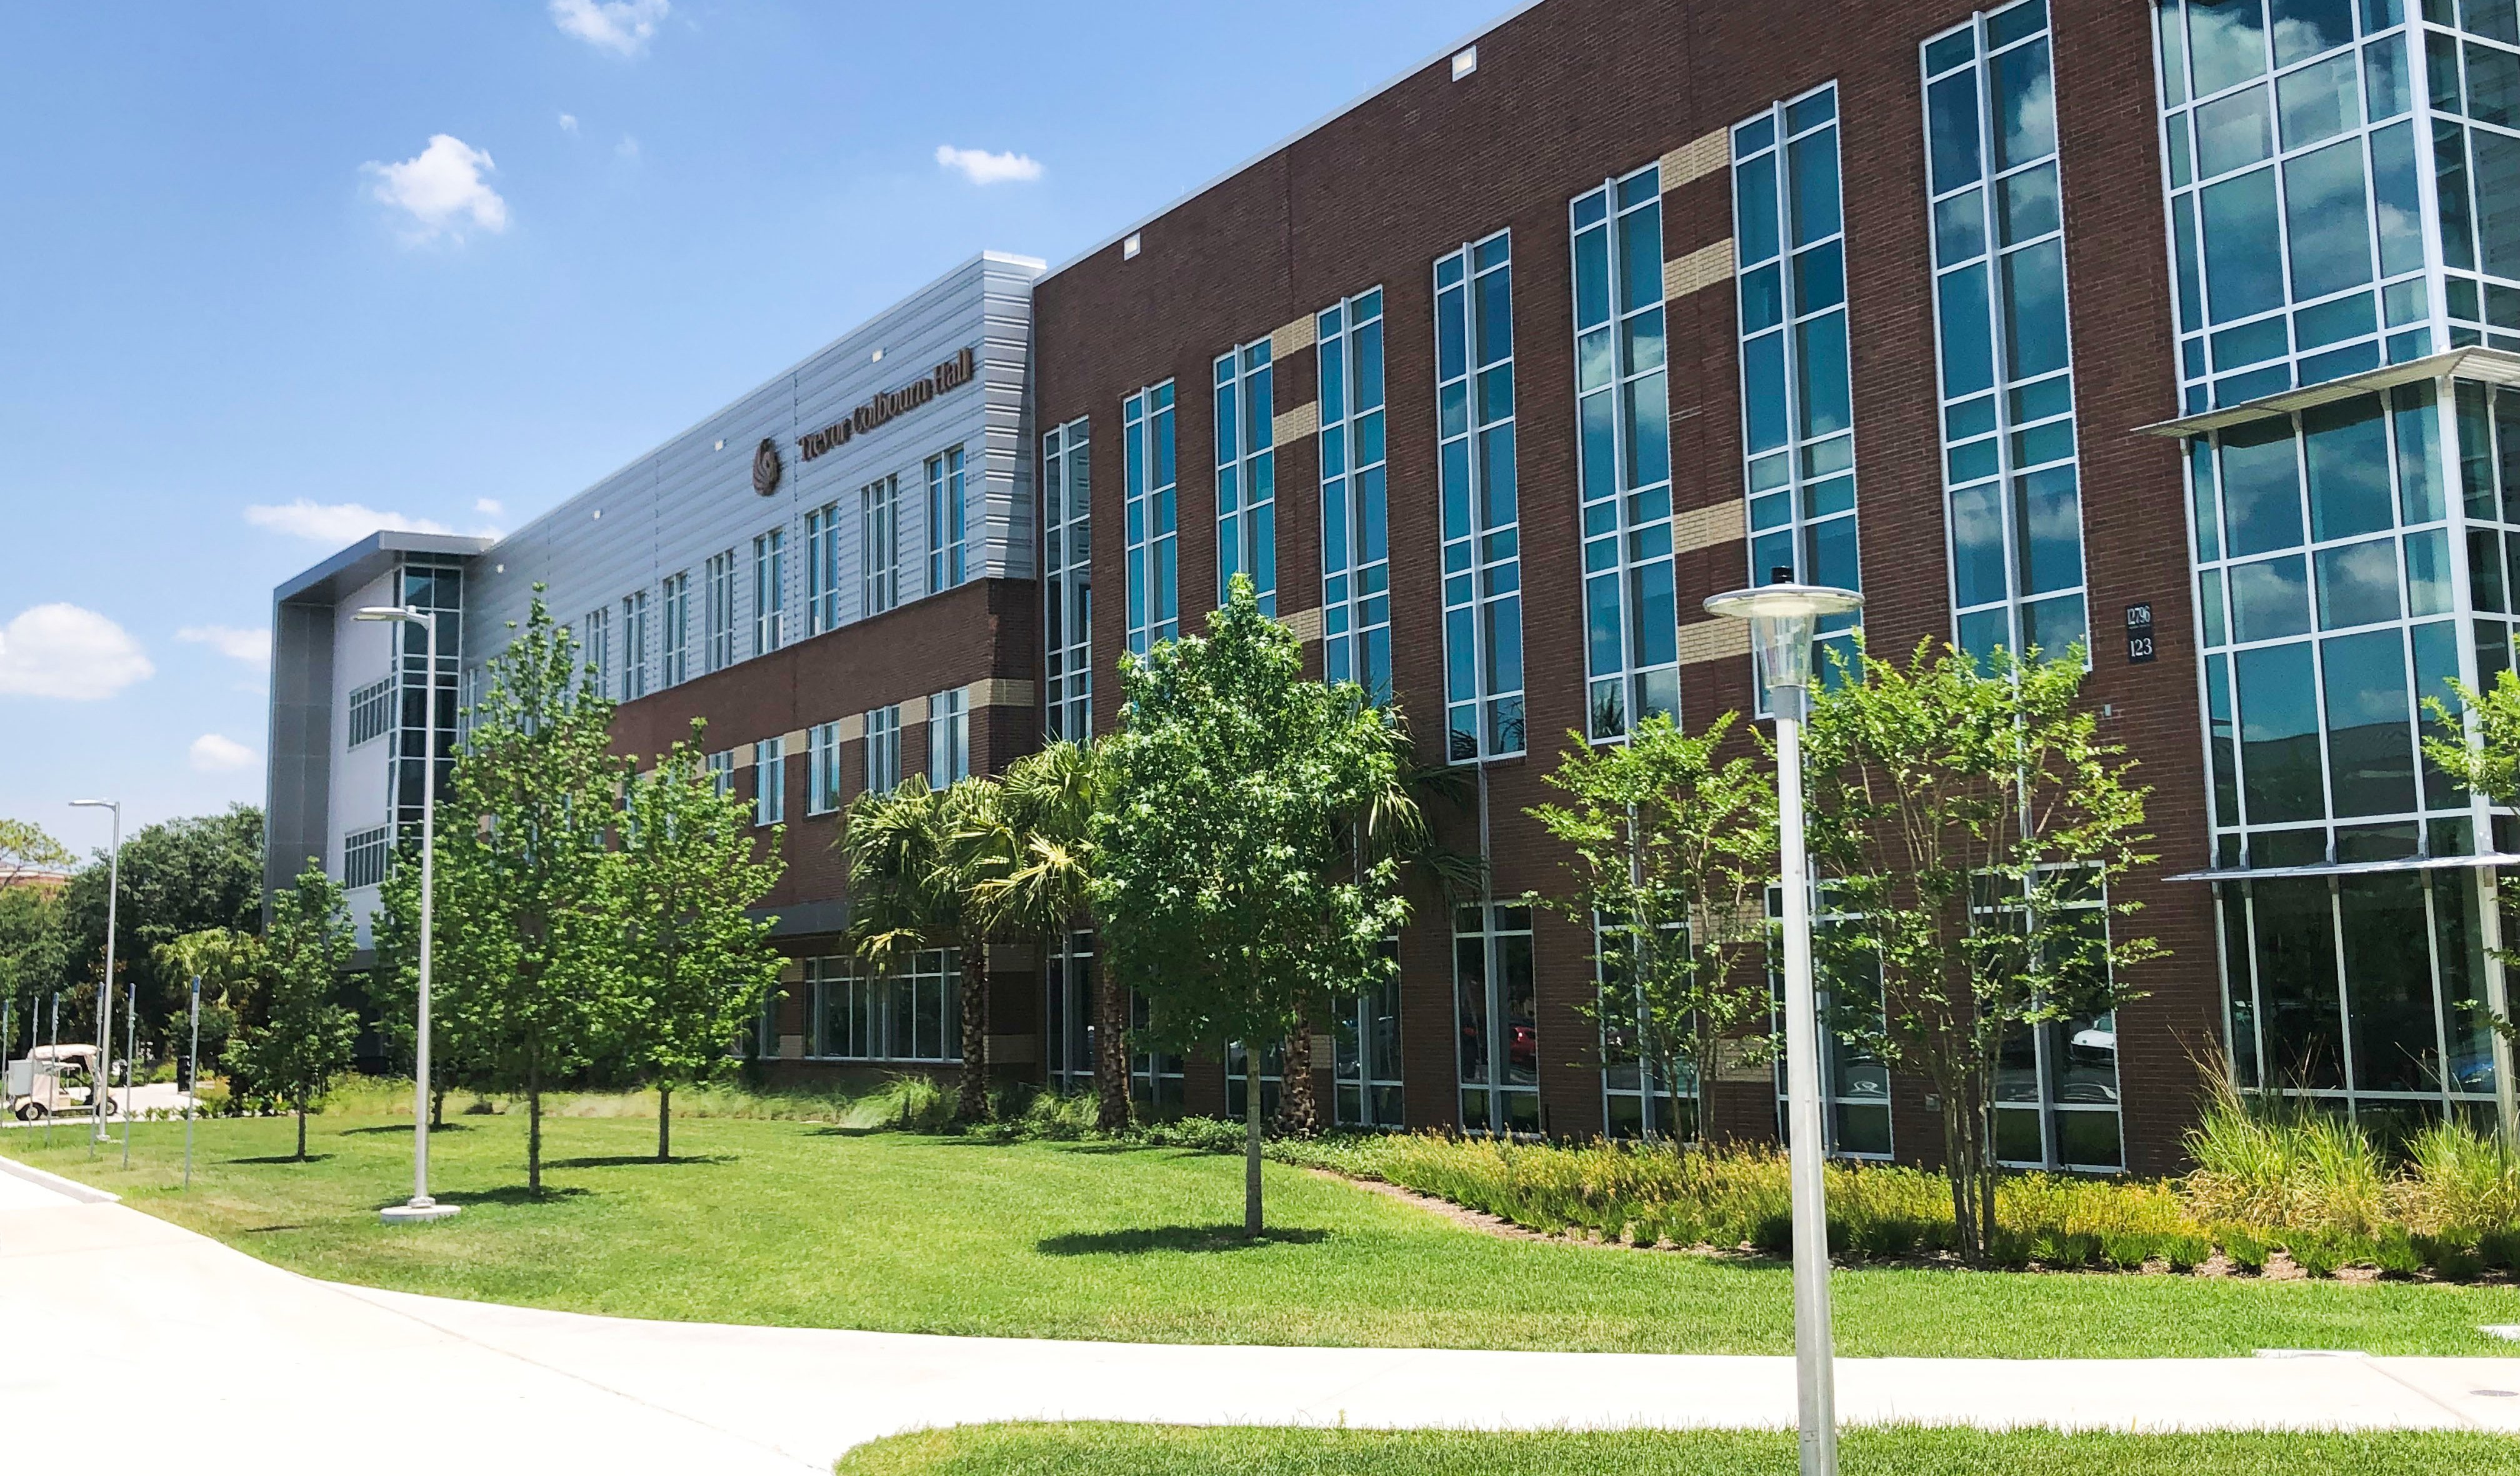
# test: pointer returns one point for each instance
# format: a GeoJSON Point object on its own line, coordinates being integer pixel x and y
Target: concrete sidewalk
{"type": "Point", "coordinates": [254, 1368]}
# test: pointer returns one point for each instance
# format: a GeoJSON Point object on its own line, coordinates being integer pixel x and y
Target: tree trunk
{"type": "Point", "coordinates": [301, 1131]}
{"type": "Point", "coordinates": [664, 1121]}
{"type": "Point", "coordinates": [972, 1106]}
{"type": "Point", "coordinates": [436, 1105]}
{"type": "Point", "coordinates": [1299, 1108]}
{"type": "Point", "coordinates": [534, 1131]}
{"type": "Point", "coordinates": [1251, 1150]}
{"type": "Point", "coordinates": [1111, 1054]}
{"type": "Point", "coordinates": [1963, 1189]}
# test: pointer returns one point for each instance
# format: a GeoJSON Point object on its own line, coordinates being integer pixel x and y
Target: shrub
{"type": "Point", "coordinates": [2396, 1254]}
{"type": "Point", "coordinates": [2186, 1250]}
{"type": "Point", "coordinates": [2284, 1165]}
{"type": "Point", "coordinates": [2246, 1250]}
{"type": "Point", "coordinates": [2453, 1254]}
{"type": "Point", "coordinates": [2499, 1248]}
{"type": "Point", "coordinates": [910, 1103]}
{"type": "Point", "coordinates": [2127, 1250]}
{"type": "Point", "coordinates": [2460, 1178]}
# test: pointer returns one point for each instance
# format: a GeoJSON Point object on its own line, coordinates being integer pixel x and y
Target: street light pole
{"type": "Point", "coordinates": [192, 1080]}
{"type": "Point", "coordinates": [130, 1051]}
{"type": "Point", "coordinates": [1781, 617]}
{"type": "Point", "coordinates": [420, 1207]}
{"type": "Point", "coordinates": [102, 1094]}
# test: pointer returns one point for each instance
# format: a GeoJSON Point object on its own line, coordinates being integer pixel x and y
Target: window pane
{"type": "Point", "coordinates": [2319, 101]}
{"type": "Point", "coordinates": [2330, 227]}
{"type": "Point", "coordinates": [2371, 753]}
{"type": "Point", "coordinates": [1813, 174]}
{"type": "Point", "coordinates": [1821, 354]}
{"type": "Point", "coordinates": [2280, 734]}
{"type": "Point", "coordinates": [2025, 106]}
{"type": "Point", "coordinates": [2296, 958]}
{"type": "Point", "coordinates": [1754, 204]}
{"type": "Point", "coordinates": [2232, 133]}
{"type": "Point", "coordinates": [2497, 200]}
{"type": "Point", "coordinates": [2358, 584]}
{"type": "Point", "coordinates": [1977, 545]}
{"type": "Point", "coordinates": [1762, 372]}
{"type": "Point", "coordinates": [2270, 600]}
{"type": "Point", "coordinates": [2347, 449]}
{"type": "Point", "coordinates": [2048, 516]}
{"type": "Point", "coordinates": [2261, 486]}
{"type": "Point", "coordinates": [2226, 41]}
{"type": "Point", "coordinates": [2388, 972]}
{"type": "Point", "coordinates": [2242, 249]}
{"type": "Point", "coordinates": [1969, 351]}
{"type": "Point", "coordinates": [2033, 317]}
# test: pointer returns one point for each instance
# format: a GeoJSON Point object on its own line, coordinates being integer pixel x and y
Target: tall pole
{"type": "Point", "coordinates": [192, 1080]}
{"type": "Point", "coordinates": [53, 1083]}
{"type": "Point", "coordinates": [428, 930]}
{"type": "Point", "coordinates": [130, 1052]}
{"type": "Point", "coordinates": [1815, 1389]}
{"type": "Point", "coordinates": [100, 1095]}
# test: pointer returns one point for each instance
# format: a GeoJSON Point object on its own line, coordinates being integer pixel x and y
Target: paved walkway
{"type": "Point", "coordinates": [154, 1339]}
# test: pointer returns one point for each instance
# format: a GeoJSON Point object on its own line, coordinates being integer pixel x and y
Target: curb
{"type": "Point", "coordinates": [68, 1188]}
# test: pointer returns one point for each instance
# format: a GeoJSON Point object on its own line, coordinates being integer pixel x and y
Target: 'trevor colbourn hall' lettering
{"type": "Point", "coordinates": [953, 374]}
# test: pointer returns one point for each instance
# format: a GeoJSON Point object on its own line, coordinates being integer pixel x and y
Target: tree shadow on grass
{"type": "Point", "coordinates": [403, 1130]}
{"type": "Point", "coordinates": [639, 1161]}
{"type": "Point", "coordinates": [514, 1193]}
{"type": "Point", "coordinates": [1198, 1240]}
{"type": "Point", "coordinates": [285, 1158]}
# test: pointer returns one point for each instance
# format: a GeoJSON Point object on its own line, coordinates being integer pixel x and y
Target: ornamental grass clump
{"type": "Point", "coordinates": [2281, 1165]}
{"type": "Point", "coordinates": [2459, 1179]}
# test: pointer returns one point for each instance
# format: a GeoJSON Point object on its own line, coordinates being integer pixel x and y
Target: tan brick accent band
{"type": "Point", "coordinates": [1295, 338]}
{"type": "Point", "coordinates": [1705, 527]}
{"type": "Point", "coordinates": [1306, 624]}
{"type": "Point", "coordinates": [853, 728]}
{"type": "Point", "coordinates": [793, 971]}
{"type": "Point", "coordinates": [1298, 423]}
{"type": "Point", "coordinates": [792, 1048]}
{"type": "Point", "coordinates": [1698, 157]}
{"type": "Point", "coordinates": [1700, 269]}
{"type": "Point", "coordinates": [998, 692]}
{"type": "Point", "coordinates": [740, 755]}
{"type": "Point", "coordinates": [796, 743]}
{"type": "Point", "coordinates": [1713, 640]}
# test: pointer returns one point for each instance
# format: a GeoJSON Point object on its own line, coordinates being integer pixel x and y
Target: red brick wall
{"type": "Point", "coordinates": [1565, 95]}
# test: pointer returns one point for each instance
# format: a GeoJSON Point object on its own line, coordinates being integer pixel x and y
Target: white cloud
{"type": "Point", "coordinates": [981, 167]}
{"type": "Point", "coordinates": [62, 651]}
{"type": "Point", "coordinates": [441, 188]}
{"type": "Point", "coordinates": [252, 646]}
{"type": "Point", "coordinates": [214, 754]}
{"type": "Point", "coordinates": [569, 122]}
{"type": "Point", "coordinates": [336, 523]}
{"type": "Point", "coordinates": [490, 507]}
{"type": "Point", "coordinates": [619, 27]}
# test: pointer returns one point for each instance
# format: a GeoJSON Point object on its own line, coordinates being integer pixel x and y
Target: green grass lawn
{"type": "Point", "coordinates": [800, 1225]}
{"type": "Point", "coordinates": [1087, 1450]}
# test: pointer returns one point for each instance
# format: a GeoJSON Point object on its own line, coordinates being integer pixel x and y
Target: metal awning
{"type": "Point", "coordinates": [2494, 366]}
{"type": "Point", "coordinates": [2352, 868]}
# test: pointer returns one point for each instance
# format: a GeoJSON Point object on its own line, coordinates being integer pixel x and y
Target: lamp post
{"type": "Point", "coordinates": [420, 1207]}
{"type": "Point", "coordinates": [192, 1080]}
{"type": "Point", "coordinates": [1781, 617]}
{"type": "Point", "coordinates": [102, 1092]}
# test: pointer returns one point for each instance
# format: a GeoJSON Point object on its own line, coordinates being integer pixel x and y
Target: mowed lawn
{"type": "Point", "coordinates": [801, 1225]}
{"type": "Point", "coordinates": [1090, 1450]}
{"type": "Point", "coordinates": [1096, 1449]}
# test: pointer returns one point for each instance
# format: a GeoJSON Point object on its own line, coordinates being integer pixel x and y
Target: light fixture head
{"type": "Point", "coordinates": [386, 613]}
{"type": "Point", "coordinates": [1782, 617]}
{"type": "Point", "coordinates": [94, 804]}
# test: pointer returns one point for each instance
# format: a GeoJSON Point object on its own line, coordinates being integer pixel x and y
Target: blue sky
{"type": "Point", "coordinates": [270, 267]}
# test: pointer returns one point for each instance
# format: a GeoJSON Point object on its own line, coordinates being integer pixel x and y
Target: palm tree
{"type": "Point", "coordinates": [1046, 805]}
{"type": "Point", "coordinates": [918, 858]}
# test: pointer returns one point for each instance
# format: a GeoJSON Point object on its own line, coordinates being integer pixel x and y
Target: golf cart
{"type": "Point", "coordinates": [51, 1080]}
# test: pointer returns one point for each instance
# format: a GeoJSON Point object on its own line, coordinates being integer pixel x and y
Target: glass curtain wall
{"type": "Point", "coordinates": [1069, 1007]}
{"type": "Point", "coordinates": [1156, 1080]}
{"type": "Point", "coordinates": [1364, 1057]}
{"type": "Point", "coordinates": [911, 1015]}
{"type": "Point", "coordinates": [430, 587]}
{"type": "Point", "coordinates": [823, 569]}
{"type": "Point", "coordinates": [1067, 584]}
{"type": "Point", "coordinates": [2015, 514]}
{"type": "Point", "coordinates": [880, 545]}
{"type": "Point", "coordinates": [2297, 201]}
{"type": "Point", "coordinates": [1638, 1098]}
{"type": "Point", "coordinates": [1623, 422]}
{"type": "Point", "coordinates": [1356, 543]}
{"type": "Point", "coordinates": [1498, 1017]}
{"type": "Point", "coordinates": [633, 646]}
{"type": "Point", "coordinates": [1482, 517]}
{"type": "Point", "coordinates": [1246, 474]}
{"type": "Point", "coordinates": [1150, 566]}
{"type": "Point", "coordinates": [1797, 402]}
{"type": "Point", "coordinates": [676, 647]}
{"type": "Point", "coordinates": [769, 592]}
{"type": "Point", "coordinates": [719, 654]}
{"type": "Point", "coordinates": [1853, 1083]}
{"type": "Point", "coordinates": [946, 563]}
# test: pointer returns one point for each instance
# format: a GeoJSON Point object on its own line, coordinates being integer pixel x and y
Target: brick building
{"type": "Point", "coordinates": [2179, 330]}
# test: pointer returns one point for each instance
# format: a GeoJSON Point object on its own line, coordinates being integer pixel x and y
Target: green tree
{"type": "Point", "coordinates": [1048, 803]}
{"type": "Point", "coordinates": [26, 849]}
{"type": "Point", "coordinates": [178, 876]}
{"type": "Point", "coordinates": [2476, 743]}
{"type": "Point", "coordinates": [33, 944]}
{"type": "Point", "coordinates": [393, 984]}
{"type": "Point", "coordinates": [920, 859]}
{"type": "Point", "coordinates": [1672, 846]}
{"type": "Point", "coordinates": [1224, 899]}
{"type": "Point", "coordinates": [1971, 827]}
{"type": "Point", "coordinates": [698, 968]}
{"type": "Point", "coordinates": [530, 910]}
{"type": "Point", "coordinates": [227, 962]}
{"type": "Point", "coordinates": [299, 1038]}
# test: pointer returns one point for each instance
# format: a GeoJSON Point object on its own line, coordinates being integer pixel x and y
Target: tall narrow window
{"type": "Point", "coordinates": [945, 521]}
{"type": "Point", "coordinates": [1356, 542]}
{"type": "Point", "coordinates": [721, 772]}
{"type": "Point", "coordinates": [633, 646]}
{"type": "Point", "coordinates": [1623, 422]}
{"type": "Point", "coordinates": [1246, 474]}
{"type": "Point", "coordinates": [1496, 1012]}
{"type": "Point", "coordinates": [720, 595]}
{"type": "Point", "coordinates": [1067, 584]}
{"type": "Point", "coordinates": [949, 739]}
{"type": "Point", "coordinates": [2296, 170]}
{"type": "Point", "coordinates": [1797, 411]}
{"type": "Point", "coordinates": [1147, 478]}
{"type": "Point", "coordinates": [676, 647]}
{"type": "Point", "coordinates": [1482, 517]}
{"type": "Point", "coordinates": [883, 750]}
{"type": "Point", "coordinates": [2015, 509]}
{"type": "Point", "coordinates": [823, 769]}
{"type": "Point", "coordinates": [594, 646]}
{"type": "Point", "coordinates": [880, 536]}
{"type": "Point", "coordinates": [769, 782]}
{"type": "Point", "coordinates": [769, 592]}
{"type": "Point", "coordinates": [823, 569]}
{"type": "Point", "coordinates": [1365, 1055]}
